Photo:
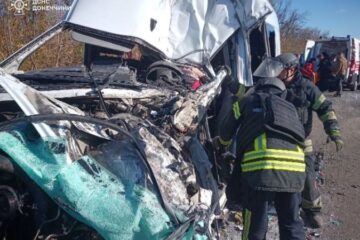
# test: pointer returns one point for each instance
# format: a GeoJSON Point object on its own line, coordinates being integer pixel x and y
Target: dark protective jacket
{"type": "Point", "coordinates": [324, 71]}
{"type": "Point", "coordinates": [307, 98]}
{"type": "Point", "coordinates": [271, 156]}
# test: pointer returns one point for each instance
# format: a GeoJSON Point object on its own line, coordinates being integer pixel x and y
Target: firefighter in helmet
{"type": "Point", "coordinates": [270, 140]}
{"type": "Point", "coordinates": [307, 98]}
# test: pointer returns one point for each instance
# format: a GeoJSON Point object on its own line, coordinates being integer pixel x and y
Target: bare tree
{"type": "Point", "coordinates": [15, 31]}
{"type": "Point", "coordinates": [292, 31]}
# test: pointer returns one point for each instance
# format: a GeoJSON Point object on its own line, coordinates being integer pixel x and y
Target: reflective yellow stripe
{"type": "Point", "coordinates": [308, 142]}
{"type": "Point", "coordinates": [308, 146]}
{"type": "Point", "coordinates": [260, 142]}
{"type": "Point", "coordinates": [247, 223]}
{"type": "Point", "coordinates": [263, 141]}
{"type": "Point", "coordinates": [275, 165]}
{"type": "Point", "coordinates": [244, 236]}
{"type": "Point", "coordinates": [328, 116]}
{"type": "Point", "coordinates": [318, 102]}
{"type": "Point", "coordinates": [299, 149]}
{"type": "Point", "coordinates": [224, 142]}
{"type": "Point", "coordinates": [241, 91]}
{"type": "Point", "coordinates": [277, 168]}
{"type": "Point", "coordinates": [335, 133]}
{"type": "Point", "coordinates": [236, 110]}
{"type": "Point", "coordinates": [260, 147]}
{"type": "Point", "coordinates": [263, 156]}
{"type": "Point", "coordinates": [308, 149]}
{"type": "Point", "coordinates": [274, 153]}
{"type": "Point", "coordinates": [257, 143]}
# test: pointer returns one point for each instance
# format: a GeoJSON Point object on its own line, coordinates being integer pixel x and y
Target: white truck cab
{"type": "Point", "coordinates": [196, 32]}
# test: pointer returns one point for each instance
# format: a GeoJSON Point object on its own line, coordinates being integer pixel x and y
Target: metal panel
{"type": "Point", "coordinates": [190, 30]}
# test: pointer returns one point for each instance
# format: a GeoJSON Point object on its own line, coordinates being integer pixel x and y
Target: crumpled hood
{"type": "Point", "coordinates": [190, 30]}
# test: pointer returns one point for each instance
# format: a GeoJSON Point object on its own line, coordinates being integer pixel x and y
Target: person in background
{"type": "Point", "coordinates": [308, 70]}
{"type": "Point", "coordinates": [339, 70]}
{"type": "Point", "coordinates": [324, 71]}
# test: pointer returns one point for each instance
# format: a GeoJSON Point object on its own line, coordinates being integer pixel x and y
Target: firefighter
{"type": "Point", "coordinates": [269, 137]}
{"type": "Point", "coordinates": [307, 98]}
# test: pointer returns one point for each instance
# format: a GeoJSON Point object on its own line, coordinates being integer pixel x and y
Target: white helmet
{"type": "Point", "coordinates": [273, 66]}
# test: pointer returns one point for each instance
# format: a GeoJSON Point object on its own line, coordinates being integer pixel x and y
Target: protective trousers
{"type": "Point", "coordinates": [340, 80]}
{"type": "Point", "coordinates": [255, 215]}
{"type": "Point", "coordinates": [311, 202]}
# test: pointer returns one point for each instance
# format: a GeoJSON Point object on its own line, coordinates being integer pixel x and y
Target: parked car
{"type": "Point", "coordinates": [121, 147]}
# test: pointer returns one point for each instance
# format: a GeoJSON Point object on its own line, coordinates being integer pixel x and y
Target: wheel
{"type": "Point", "coordinates": [24, 208]}
{"type": "Point", "coordinates": [11, 193]}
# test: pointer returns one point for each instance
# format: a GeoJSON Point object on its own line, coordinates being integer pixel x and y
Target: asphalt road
{"type": "Point", "coordinates": [341, 191]}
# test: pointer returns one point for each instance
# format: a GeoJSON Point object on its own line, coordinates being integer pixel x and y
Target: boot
{"type": "Point", "coordinates": [312, 220]}
{"type": "Point", "coordinates": [315, 221]}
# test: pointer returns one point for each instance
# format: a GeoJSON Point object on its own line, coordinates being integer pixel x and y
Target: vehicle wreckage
{"type": "Point", "coordinates": [121, 147]}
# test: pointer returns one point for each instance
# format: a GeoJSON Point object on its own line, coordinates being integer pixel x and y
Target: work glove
{"type": "Point", "coordinates": [225, 160]}
{"type": "Point", "coordinates": [339, 144]}
{"type": "Point", "coordinates": [226, 166]}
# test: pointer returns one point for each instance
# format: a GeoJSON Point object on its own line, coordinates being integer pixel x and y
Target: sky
{"type": "Point", "coordinates": [339, 17]}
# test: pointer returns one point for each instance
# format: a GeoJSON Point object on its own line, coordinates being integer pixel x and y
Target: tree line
{"type": "Point", "coordinates": [17, 30]}
{"type": "Point", "coordinates": [292, 27]}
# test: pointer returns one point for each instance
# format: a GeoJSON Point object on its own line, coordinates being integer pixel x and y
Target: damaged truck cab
{"type": "Point", "coordinates": [121, 147]}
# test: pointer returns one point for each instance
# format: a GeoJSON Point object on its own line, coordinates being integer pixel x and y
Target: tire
{"type": "Point", "coordinates": [6, 169]}
{"type": "Point", "coordinates": [23, 226]}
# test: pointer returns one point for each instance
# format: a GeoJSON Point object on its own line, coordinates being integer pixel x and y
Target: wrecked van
{"type": "Point", "coordinates": [122, 146]}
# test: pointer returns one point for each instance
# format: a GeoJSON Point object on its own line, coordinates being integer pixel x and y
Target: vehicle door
{"type": "Point", "coordinates": [309, 50]}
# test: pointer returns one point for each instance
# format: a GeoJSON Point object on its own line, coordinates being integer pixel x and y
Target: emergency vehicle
{"type": "Point", "coordinates": [350, 46]}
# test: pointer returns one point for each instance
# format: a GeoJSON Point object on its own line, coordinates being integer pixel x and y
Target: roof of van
{"type": "Point", "coordinates": [193, 30]}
